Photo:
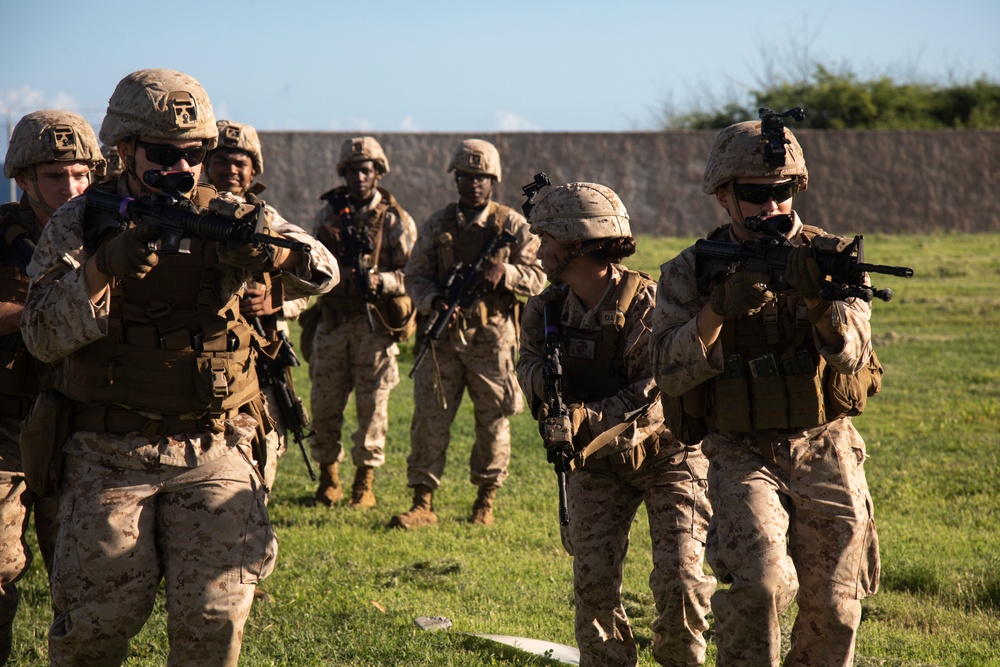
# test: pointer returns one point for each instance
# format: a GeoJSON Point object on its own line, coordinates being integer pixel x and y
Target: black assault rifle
{"type": "Point", "coordinates": [556, 428]}
{"type": "Point", "coordinates": [274, 373]}
{"type": "Point", "coordinates": [177, 217]}
{"type": "Point", "coordinates": [463, 288]}
{"type": "Point", "coordinates": [357, 244]}
{"type": "Point", "coordinates": [843, 261]}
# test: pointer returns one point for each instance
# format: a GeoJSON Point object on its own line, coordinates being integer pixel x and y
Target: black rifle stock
{"type": "Point", "coordinates": [463, 289]}
{"type": "Point", "coordinates": [557, 427]}
{"type": "Point", "coordinates": [356, 245]}
{"type": "Point", "coordinates": [178, 219]}
{"type": "Point", "coordinates": [845, 265]}
{"type": "Point", "coordinates": [274, 373]}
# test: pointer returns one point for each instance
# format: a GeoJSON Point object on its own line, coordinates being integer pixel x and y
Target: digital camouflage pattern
{"type": "Point", "coordinates": [208, 539]}
{"type": "Point", "coordinates": [52, 136]}
{"type": "Point", "coordinates": [604, 495]}
{"type": "Point", "coordinates": [799, 528]}
{"type": "Point", "coordinates": [348, 357]}
{"type": "Point", "coordinates": [480, 358]}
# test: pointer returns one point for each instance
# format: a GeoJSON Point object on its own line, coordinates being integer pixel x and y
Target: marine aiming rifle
{"type": "Point", "coordinates": [463, 289]}
{"type": "Point", "coordinates": [841, 260]}
{"type": "Point", "coordinates": [357, 243]}
{"type": "Point", "coordinates": [274, 373]}
{"type": "Point", "coordinates": [557, 429]}
{"type": "Point", "coordinates": [177, 217]}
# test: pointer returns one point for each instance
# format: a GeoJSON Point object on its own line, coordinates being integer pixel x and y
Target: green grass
{"type": "Point", "coordinates": [346, 589]}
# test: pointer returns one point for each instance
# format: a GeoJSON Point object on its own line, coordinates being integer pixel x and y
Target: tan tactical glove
{"type": "Point", "coordinates": [803, 273]}
{"type": "Point", "coordinates": [745, 293]}
{"type": "Point", "coordinates": [246, 256]}
{"type": "Point", "coordinates": [128, 254]}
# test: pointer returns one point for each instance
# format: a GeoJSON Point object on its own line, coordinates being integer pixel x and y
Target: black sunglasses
{"type": "Point", "coordinates": [168, 155]}
{"type": "Point", "coordinates": [763, 193]}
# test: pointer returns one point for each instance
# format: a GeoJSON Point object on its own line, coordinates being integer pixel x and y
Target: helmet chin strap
{"type": "Point", "coordinates": [579, 250]}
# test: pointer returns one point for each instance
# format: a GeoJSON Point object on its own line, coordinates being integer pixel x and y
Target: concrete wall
{"type": "Point", "coordinates": [860, 181]}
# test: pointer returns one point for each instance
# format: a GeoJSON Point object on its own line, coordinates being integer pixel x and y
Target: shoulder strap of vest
{"type": "Point", "coordinates": [498, 213]}
{"type": "Point", "coordinates": [810, 232]}
{"type": "Point", "coordinates": [719, 233]}
{"type": "Point", "coordinates": [625, 293]}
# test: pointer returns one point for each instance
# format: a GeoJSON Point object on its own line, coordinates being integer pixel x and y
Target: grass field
{"type": "Point", "coordinates": [346, 589]}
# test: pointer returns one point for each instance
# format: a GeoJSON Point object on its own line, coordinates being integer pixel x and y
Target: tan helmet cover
{"type": "Point", "coordinates": [241, 137]}
{"type": "Point", "coordinates": [476, 156]}
{"type": "Point", "coordinates": [161, 104]}
{"type": "Point", "coordinates": [52, 136]}
{"type": "Point", "coordinates": [738, 152]}
{"type": "Point", "coordinates": [363, 149]}
{"type": "Point", "coordinates": [580, 212]}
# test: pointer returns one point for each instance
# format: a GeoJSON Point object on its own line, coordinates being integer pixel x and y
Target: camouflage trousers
{"type": "Point", "coordinates": [800, 528]}
{"type": "Point", "coordinates": [203, 531]}
{"type": "Point", "coordinates": [603, 498]}
{"type": "Point", "coordinates": [485, 367]}
{"type": "Point", "coordinates": [351, 358]}
{"type": "Point", "coordinates": [16, 505]}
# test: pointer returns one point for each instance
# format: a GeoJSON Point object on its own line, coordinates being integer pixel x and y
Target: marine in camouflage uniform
{"type": "Point", "coordinates": [233, 167]}
{"type": "Point", "coordinates": [156, 366]}
{"type": "Point", "coordinates": [477, 350]}
{"type": "Point", "coordinates": [53, 156]}
{"type": "Point", "coordinates": [604, 317]}
{"type": "Point", "coordinates": [348, 356]}
{"type": "Point", "coordinates": [773, 378]}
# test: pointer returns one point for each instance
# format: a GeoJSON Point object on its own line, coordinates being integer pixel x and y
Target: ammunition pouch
{"type": "Point", "coordinates": [847, 395]}
{"type": "Point", "coordinates": [44, 433]}
{"type": "Point", "coordinates": [308, 322]}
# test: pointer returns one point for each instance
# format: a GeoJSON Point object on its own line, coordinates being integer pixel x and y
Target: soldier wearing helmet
{"type": "Point", "coordinates": [155, 365]}
{"type": "Point", "coordinates": [231, 167]}
{"type": "Point", "coordinates": [237, 160]}
{"type": "Point", "coordinates": [363, 226]}
{"type": "Point", "coordinates": [53, 156]}
{"type": "Point", "coordinates": [603, 311]}
{"type": "Point", "coordinates": [762, 376]}
{"type": "Point", "coordinates": [477, 351]}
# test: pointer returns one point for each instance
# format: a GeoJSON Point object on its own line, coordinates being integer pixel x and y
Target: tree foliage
{"type": "Point", "coordinates": [842, 101]}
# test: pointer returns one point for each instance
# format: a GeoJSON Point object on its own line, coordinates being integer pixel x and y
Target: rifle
{"type": "Point", "coordinates": [557, 428]}
{"type": "Point", "coordinates": [274, 373]}
{"type": "Point", "coordinates": [356, 244]}
{"type": "Point", "coordinates": [463, 289]}
{"type": "Point", "coordinates": [844, 262]}
{"type": "Point", "coordinates": [177, 217]}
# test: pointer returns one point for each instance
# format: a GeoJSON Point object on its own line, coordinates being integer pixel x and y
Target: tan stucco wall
{"type": "Point", "coordinates": [860, 181]}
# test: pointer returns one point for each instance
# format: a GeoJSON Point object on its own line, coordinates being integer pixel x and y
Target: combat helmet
{"type": "Point", "coordinates": [241, 137]}
{"type": "Point", "coordinates": [476, 156]}
{"type": "Point", "coordinates": [580, 213]}
{"type": "Point", "coordinates": [362, 149]}
{"type": "Point", "coordinates": [52, 136]}
{"type": "Point", "coordinates": [738, 152]}
{"type": "Point", "coordinates": [115, 167]}
{"type": "Point", "coordinates": [162, 104]}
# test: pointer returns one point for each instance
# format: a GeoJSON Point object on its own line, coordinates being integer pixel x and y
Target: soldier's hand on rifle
{"type": "Point", "coordinates": [745, 293]}
{"type": "Point", "coordinates": [129, 255]}
{"type": "Point", "coordinates": [803, 273]}
{"type": "Point", "coordinates": [256, 302]}
{"type": "Point", "coordinates": [493, 275]}
{"type": "Point", "coordinates": [246, 256]}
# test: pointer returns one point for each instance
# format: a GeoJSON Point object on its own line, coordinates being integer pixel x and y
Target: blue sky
{"type": "Point", "coordinates": [547, 65]}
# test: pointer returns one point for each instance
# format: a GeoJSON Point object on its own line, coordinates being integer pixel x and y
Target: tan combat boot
{"type": "Point", "coordinates": [330, 490]}
{"type": "Point", "coordinates": [361, 491]}
{"type": "Point", "coordinates": [482, 509]}
{"type": "Point", "coordinates": [420, 515]}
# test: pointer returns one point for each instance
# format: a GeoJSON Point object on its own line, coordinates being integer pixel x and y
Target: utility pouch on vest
{"type": "Point", "coordinates": [805, 391]}
{"type": "Point", "coordinates": [847, 395]}
{"type": "Point", "coordinates": [398, 316]}
{"type": "Point", "coordinates": [770, 410]}
{"type": "Point", "coordinates": [44, 432]}
{"type": "Point", "coordinates": [732, 398]}
{"type": "Point", "coordinates": [308, 322]}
